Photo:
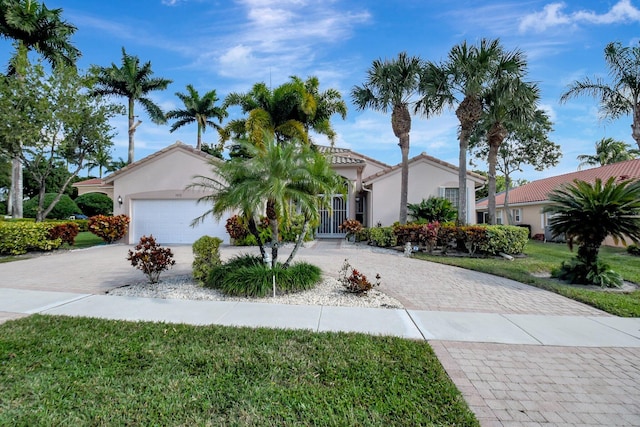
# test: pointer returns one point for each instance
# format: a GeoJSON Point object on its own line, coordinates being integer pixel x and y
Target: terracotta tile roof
{"type": "Point", "coordinates": [92, 181]}
{"type": "Point", "coordinates": [537, 191]}
{"type": "Point", "coordinates": [424, 156]}
{"type": "Point", "coordinates": [344, 156]}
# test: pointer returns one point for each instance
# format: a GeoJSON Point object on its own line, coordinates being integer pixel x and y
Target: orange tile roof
{"type": "Point", "coordinates": [92, 181]}
{"type": "Point", "coordinates": [537, 191]}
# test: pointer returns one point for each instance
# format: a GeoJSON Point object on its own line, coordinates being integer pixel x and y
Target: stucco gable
{"type": "Point", "coordinates": [167, 151]}
{"type": "Point", "coordinates": [424, 158]}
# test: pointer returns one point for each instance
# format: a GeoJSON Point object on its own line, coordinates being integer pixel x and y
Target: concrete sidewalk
{"type": "Point", "coordinates": [525, 329]}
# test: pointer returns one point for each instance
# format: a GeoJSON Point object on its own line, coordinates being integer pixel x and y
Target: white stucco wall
{"type": "Point", "coordinates": [425, 180]}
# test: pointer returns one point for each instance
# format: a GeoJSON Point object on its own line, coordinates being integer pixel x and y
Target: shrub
{"type": "Point", "coordinates": [109, 228]}
{"type": "Point", "coordinates": [290, 232]}
{"type": "Point", "coordinates": [66, 232]}
{"type": "Point", "coordinates": [83, 224]}
{"type": "Point", "coordinates": [92, 204]}
{"type": "Point", "coordinates": [633, 249]}
{"type": "Point", "coordinates": [151, 258]}
{"type": "Point", "coordinates": [354, 281]}
{"type": "Point", "coordinates": [509, 239]}
{"type": "Point", "coordinates": [206, 255]}
{"type": "Point", "coordinates": [247, 275]}
{"type": "Point", "coordinates": [576, 271]}
{"type": "Point", "coordinates": [19, 237]}
{"type": "Point", "coordinates": [382, 236]}
{"type": "Point", "coordinates": [351, 227]}
{"type": "Point", "coordinates": [433, 209]}
{"type": "Point", "coordinates": [422, 234]}
{"type": "Point", "coordinates": [62, 210]}
{"type": "Point", "coordinates": [236, 227]}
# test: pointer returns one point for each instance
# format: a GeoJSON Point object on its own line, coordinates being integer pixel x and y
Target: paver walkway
{"type": "Point", "coordinates": [558, 378]}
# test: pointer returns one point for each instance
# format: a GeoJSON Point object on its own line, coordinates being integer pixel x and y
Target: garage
{"type": "Point", "coordinates": [169, 221]}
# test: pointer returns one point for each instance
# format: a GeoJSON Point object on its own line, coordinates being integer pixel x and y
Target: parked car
{"type": "Point", "coordinates": [78, 216]}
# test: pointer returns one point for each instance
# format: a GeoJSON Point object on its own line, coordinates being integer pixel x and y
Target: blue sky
{"type": "Point", "coordinates": [229, 45]}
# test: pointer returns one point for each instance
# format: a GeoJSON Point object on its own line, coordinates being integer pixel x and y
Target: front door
{"type": "Point", "coordinates": [331, 219]}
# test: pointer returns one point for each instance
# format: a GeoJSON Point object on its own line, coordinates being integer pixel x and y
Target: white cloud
{"type": "Point", "coordinates": [553, 15]}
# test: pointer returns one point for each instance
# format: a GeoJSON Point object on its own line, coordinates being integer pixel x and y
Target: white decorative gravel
{"type": "Point", "coordinates": [329, 292]}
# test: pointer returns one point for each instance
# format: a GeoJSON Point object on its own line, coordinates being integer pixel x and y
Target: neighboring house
{"type": "Point", "coordinates": [152, 192]}
{"type": "Point", "coordinates": [527, 201]}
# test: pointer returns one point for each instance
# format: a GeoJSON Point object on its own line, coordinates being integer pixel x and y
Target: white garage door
{"type": "Point", "coordinates": [169, 221]}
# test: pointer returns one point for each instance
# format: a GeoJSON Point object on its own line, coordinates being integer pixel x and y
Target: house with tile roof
{"type": "Point", "coordinates": [153, 192]}
{"type": "Point", "coordinates": [527, 201]}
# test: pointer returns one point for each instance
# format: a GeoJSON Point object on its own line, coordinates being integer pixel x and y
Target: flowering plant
{"type": "Point", "coordinates": [354, 281]}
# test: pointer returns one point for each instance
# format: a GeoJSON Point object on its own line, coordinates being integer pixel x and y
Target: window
{"type": "Point", "coordinates": [451, 194]}
{"type": "Point", "coordinates": [499, 217]}
{"type": "Point", "coordinates": [516, 214]}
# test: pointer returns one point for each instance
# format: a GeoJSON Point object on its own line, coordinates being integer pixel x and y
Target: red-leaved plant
{"type": "Point", "coordinates": [354, 281]}
{"type": "Point", "coordinates": [109, 228]}
{"type": "Point", "coordinates": [151, 258]}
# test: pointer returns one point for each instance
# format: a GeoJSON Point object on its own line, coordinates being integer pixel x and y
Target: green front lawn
{"type": "Point", "coordinates": [542, 257]}
{"type": "Point", "coordinates": [78, 371]}
{"type": "Point", "coordinates": [85, 239]}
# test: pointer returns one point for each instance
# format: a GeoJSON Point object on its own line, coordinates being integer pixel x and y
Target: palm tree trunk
{"type": "Point", "coordinates": [16, 188]}
{"type": "Point", "coordinates": [404, 180]}
{"type": "Point", "coordinates": [507, 184]}
{"type": "Point", "coordinates": [132, 130]}
{"type": "Point", "coordinates": [462, 179]}
{"type": "Point", "coordinates": [253, 229]}
{"type": "Point", "coordinates": [305, 229]}
{"type": "Point", "coordinates": [635, 127]}
{"type": "Point", "coordinates": [273, 224]}
{"type": "Point", "coordinates": [199, 143]}
{"type": "Point", "coordinates": [495, 136]}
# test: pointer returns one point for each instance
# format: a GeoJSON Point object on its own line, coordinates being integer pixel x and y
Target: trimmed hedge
{"type": "Point", "coordinates": [206, 256]}
{"type": "Point", "coordinates": [109, 228]}
{"type": "Point", "coordinates": [92, 204]}
{"type": "Point", "coordinates": [62, 210]}
{"type": "Point", "coordinates": [20, 237]}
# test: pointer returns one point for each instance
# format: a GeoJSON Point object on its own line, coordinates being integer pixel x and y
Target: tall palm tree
{"type": "Point", "coordinates": [325, 105]}
{"type": "Point", "coordinates": [199, 110]}
{"type": "Point", "coordinates": [274, 175]}
{"type": "Point", "coordinates": [33, 27]}
{"type": "Point", "coordinates": [101, 159]}
{"type": "Point", "coordinates": [133, 82]}
{"type": "Point", "coordinates": [608, 151]}
{"type": "Point", "coordinates": [508, 104]}
{"type": "Point", "coordinates": [275, 112]}
{"type": "Point", "coordinates": [393, 85]}
{"type": "Point", "coordinates": [471, 69]}
{"type": "Point", "coordinates": [587, 213]}
{"type": "Point", "coordinates": [622, 95]}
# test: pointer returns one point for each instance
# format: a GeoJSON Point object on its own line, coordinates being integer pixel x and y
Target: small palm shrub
{"type": "Point", "coordinates": [633, 249]}
{"type": "Point", "coordinates": [92, 204]}
{"type": "Point", "coordinates": [151, 258]}
{"type": "Point", "coordinates": [109, 228]}
{"type": "Point", "coordinates": [206, 255]}
{"type": "Point", "coordinates": [587, 213]}
{"type": "Point", "coordinates": [248, 276]}
{"type": "Point", "coordinates": [432, 209]}
{"type": "Point", "coordinates": [354, 281]}
{"type": "Point", "coordinates": [577, 271]}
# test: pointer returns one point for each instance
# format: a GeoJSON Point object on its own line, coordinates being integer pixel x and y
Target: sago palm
{"type": "Point", "coordinates": [135, 83]}
{"type": "Point", "coordinates": [589, 212]}
{"type": "Point", "coordinates": [199, 110]}
{"type": "Point", "coordinates": [393, 85]}
{"type": "Point", "coordinates": [621, 96]}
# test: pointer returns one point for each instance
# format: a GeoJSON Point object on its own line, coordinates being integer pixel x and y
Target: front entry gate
{"type": "Point", "coordinates": [331, 219]}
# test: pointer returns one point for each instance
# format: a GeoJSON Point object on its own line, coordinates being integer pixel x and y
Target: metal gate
{"type": "Point", "coordinates": [331, 219]}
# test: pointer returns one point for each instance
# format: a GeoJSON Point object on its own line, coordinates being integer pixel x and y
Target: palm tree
{"type": "Point", "coordinates": [134, 83]}
{"type": "Point", "coordinates": [276, 112]}
{"type": "Point", "coordinates": [608, 151]}
{"type": "Point", "coordinates": [587, 213]}
{"type": "Point", "coordinates": [198, 110]}
{"type": "Point", "coordinates": [33, 27]}
{"type": "Point", "coordinates": [393, 85]}
{"type": "Point", "coordinates": [274, 175]}
{"type": "Point", "coordinates": [508, 104]}
{"type": "Point", "coordinates": [622, 95]}
{"type": "Point", "coordinates": [471, 69]}
{"type": "Point", "coordinates": [101, 159]}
